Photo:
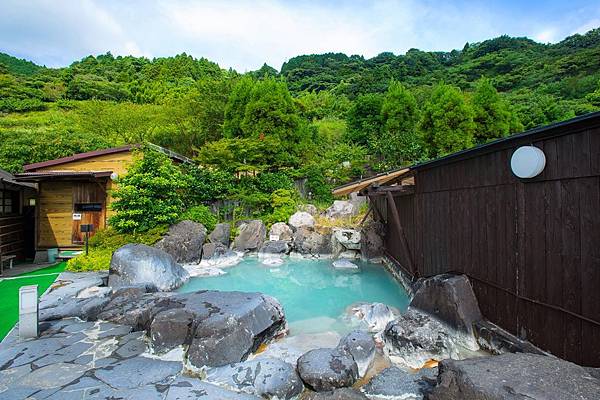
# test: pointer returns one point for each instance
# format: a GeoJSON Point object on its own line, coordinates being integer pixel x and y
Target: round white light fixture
{"type": "Point", "coordinates": [527, 162]}
{"type": "Point", "coordinates": [114, 176]}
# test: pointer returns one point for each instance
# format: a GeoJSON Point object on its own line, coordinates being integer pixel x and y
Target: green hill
{"type": "Point", "coordinates": [19, 66]}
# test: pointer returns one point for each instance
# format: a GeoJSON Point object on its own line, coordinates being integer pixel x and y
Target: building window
{"type": "Point", "coordinates": [9, 202]}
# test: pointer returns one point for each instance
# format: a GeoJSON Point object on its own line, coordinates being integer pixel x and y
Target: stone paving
{"type": "Point", "coordinates": [73, 359]}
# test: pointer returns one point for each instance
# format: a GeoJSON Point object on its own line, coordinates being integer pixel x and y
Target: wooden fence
{"type": "Point", "coordinates": [531, 247]}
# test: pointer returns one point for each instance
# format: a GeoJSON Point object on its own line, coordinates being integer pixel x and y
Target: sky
{"type": "Point", "coordinates": [245, 34]}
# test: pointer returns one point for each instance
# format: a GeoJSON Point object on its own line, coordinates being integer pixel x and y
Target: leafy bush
{"type": "Point", "coordinates": [105, 242]}
{"type": "Point", "coordinates": [283, 203]}
{"type": "Point", "coordinates": [21, 105]}
{"type": "Point", "coordinates": [201, 214]}
{"type": "Point", "coordinates": [152, 193]}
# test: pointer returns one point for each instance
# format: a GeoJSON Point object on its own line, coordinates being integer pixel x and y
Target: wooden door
{"type": "Point", "coordinates": [89, 207]}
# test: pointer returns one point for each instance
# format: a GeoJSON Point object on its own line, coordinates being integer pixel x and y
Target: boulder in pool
{"type": "Point", "coordinates": [376, 316]}
{"type": "Point", "coordinates": [184, 241]}
{"type": "Point", "coordinates": [415, 338]}
{"type": "Point", "coordinates": [449, 298]}
{"type": "Point", "coordinates": [268, 378]}
{"type": "Point", "coordinates": [348, 238]}
{"type": "Point", "coordinates": [309, 242]}
{"type": "Point", "coordinates": [361, 346]}
{"type": "Point", "coordinates": [282, 231]}
{"type": "Point", "coordinates": [273, 247]}
{"type": "Point", "coordinates": [229, 326]}
{"type": "Point", "coordinates": [221, 234]}
{"type": "Point", "coordinates": [134, 264]}
{"type": "Point", "coordinates": [327, 369]}
{"type": "Point", "coordinates": [301, 219]}
{"type": "Point", "coordinates": [344, 264]}
{"type": "Point", "coordinates": [251, 235]}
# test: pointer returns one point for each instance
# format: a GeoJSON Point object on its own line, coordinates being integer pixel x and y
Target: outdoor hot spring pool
{"type": "Point", "coordinates": [315, 296]}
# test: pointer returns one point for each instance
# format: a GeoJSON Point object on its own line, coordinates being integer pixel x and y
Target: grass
{"type": "Point", "coordinates": [9, 293]}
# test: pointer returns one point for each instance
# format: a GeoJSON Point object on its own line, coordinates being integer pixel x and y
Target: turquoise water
{"type": "Point", "coordinates": [314, 295]}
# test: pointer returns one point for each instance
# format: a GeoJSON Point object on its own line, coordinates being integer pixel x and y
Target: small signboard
{"type": "Point", "coordinates": [86, 227]}
{"type": "Point", "coordinates": [76, 217]}
{"type": "Point", "coordinates": [273, 238]}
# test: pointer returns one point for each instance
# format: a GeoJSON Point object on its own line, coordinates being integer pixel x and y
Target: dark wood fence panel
{"type": "Point", "coordinates": [531, 247]}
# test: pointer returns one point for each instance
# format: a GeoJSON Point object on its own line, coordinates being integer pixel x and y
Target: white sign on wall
{"type": "Point", "coordinates": [76, 217]}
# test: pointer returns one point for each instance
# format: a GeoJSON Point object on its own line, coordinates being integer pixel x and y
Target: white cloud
{"type": "Point", "coordinates": [245, 34]}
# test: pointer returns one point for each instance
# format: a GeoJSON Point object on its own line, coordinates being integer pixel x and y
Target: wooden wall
{"type": "Point", "coordinates": [531, 247]}
{"type": "Point", "coordinates": [12, 236]}
{"type": "Point", "coordinates": [56, 198]}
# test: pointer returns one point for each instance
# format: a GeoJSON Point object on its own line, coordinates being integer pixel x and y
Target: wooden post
{"type": "Point", "coordinates": [396, 218]}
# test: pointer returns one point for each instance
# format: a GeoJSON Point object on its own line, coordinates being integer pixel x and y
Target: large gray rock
{"type": "Point", "coordinates": [371, 239]}
{"type": "Point", "coordinates": [348, 238]}
{"type": "Point", "coordinates": [221, 234]}
{"type": "Point", "coordinates": [301, 219]}
{"type": "Point", "coordinates": [250, 236]}
{"type": "Point", "coordinates": [137, 263]}
{"type": "Point", "coordinates": [269, 377]}
{"type": "Point", "coordinates": [170, 328]}
{"type": "Point", "coordinates": [282, 231]}
{"type": "Point", "coordinates": [341, 209]}
{"type": "Point", "coordinates": [394, 383]}
{"type": "Point", "coordinates": [274, 247]}
{"type": "Point", "coordinates": [327, 369]}
{"type": "Point", "coordinates": [337, 394]}
{"type": "Point", "coordinates": [449, 298]}
{"type": "Point", "coordinates": [514, 376]}
{"type": "Point", "coordinates": [231, 325]}
{"type": "Point", "coordinates": [415, 338]}
{"type": "Point", "coordinates": [184, 241]}
{"type": "Point", "coordinates": [361, 346]}
{"type": "Point", "coordinates": [309, 242]}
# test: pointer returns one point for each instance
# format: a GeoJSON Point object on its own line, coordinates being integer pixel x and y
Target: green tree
{"type": "Point", "coordinates": [364, 118]}
{"type": "Point", "coordinates": [493, 116]}
{"type": "Point", "coordinates": [399, 142]}
{"type": "Point", "coordinates": [447, 122]}
{"type": "Point", "coordinates": [235, 110]}
{"type": "Point", "coordinates": [270, 112]}
{"type": "Point", "coordinates": [152, 193]}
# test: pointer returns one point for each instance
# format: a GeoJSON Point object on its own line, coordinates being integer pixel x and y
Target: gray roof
{"type": "Point", "coordinates": [9, 179]}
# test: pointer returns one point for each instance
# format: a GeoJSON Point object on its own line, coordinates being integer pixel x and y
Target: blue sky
{"type": "Point", "coordinates": [245, 34]}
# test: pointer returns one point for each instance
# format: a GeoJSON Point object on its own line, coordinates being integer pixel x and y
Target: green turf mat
{"type": "Point", "coordinates": [9, 293]}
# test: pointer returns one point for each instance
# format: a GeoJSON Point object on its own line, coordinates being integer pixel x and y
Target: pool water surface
{"type": "Point", "coordinates": [315, 296]}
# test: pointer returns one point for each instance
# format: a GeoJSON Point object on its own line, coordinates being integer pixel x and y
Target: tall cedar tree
{"type": "Point", "coordinates": [398, 143]}
{"type": "Point", "coordinates": [447, 122]}
{"type": "Point", "coordinates": [492, 115]}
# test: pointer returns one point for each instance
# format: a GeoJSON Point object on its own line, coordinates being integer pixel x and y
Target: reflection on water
{"type": "Point", "coordinates": [314, 295]}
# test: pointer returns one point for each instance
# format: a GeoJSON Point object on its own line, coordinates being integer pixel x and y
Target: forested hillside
{"type": "Point", "coordinates": [328, 118]}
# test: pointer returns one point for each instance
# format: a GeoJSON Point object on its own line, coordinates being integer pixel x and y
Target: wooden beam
{"type": "Point", "coordinates": [403, 241]}
{"type": "Point", "coordinates": [357, 186]}
{"type": "Point", "coordinates": [399, 190]}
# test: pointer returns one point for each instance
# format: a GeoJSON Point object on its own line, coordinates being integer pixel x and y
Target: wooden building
{"type": "Point", "coordinates": [17, 205]}
{"type": "Point", "coordinates": [531, 247]}
{"type": "Point", "coordinates": [75, 190]}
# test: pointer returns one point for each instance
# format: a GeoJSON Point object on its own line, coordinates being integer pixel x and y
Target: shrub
{"type": "Point", "coordinates": [283, 203]}
{"type": "Point", "coordinates": [105, 242]}
{"type": "Point", "coordinates": [151, 194]}
{"type": "Point", "coordinates": [201, 214]}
